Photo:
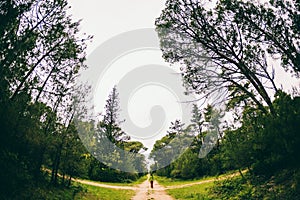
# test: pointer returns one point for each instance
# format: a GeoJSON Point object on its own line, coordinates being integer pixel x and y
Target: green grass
{"type": "Point", "coordinates": [137, 182]}
{"type": "Point", "coordinates": [199, 191]}
{"type": "Point", "coordinates": [172, 182]}
{"type": "Point", "coordinates": [44, 190]}
{"type": "Point", "coordinates": [98, 193]}
{"type": "Point", "coordinates": [192, 192]}
{"type": "Point", "coordinates": [134, 183]}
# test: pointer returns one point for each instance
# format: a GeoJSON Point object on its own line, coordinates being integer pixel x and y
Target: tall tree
{"type": "Point", "coordinates": [41, 54]}
{"type": "Point", "coordinates": [197, 125]}
{"type": "Point", "coordinates": [171, 146]}
{"type": "Point", "coordinates": [227, 46]}
{"type": "Point", "coordinates": [109, 126]}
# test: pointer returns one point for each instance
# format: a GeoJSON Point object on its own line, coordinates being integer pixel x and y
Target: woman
{"type": "Point", "coordinates": [151, 179]}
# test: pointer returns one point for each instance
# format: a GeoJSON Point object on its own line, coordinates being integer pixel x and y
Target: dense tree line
{"type": "Point", "coordinates": [202, 132]}
{"type": "Point", "coordinates": [121, 158]}
{"type": "Point", "coordinates": [41, 54]}
{"type": "Point", "coordinates": [227, 51]}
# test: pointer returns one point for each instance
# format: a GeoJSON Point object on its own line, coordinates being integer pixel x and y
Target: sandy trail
{"type": "Point", "coordinates": [105, 185]}
{"type": "Point", "coordinates": [144, 192]}
{"type": "Point", "coordinates": [206, 181]}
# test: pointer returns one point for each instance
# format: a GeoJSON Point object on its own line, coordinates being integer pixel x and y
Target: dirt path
{"type": "Point", "coordinates": [144, 192]}
{"type": "Point", "coordinates": [105, 185]}
{"type": "Point", "coordinates": [206, 181]}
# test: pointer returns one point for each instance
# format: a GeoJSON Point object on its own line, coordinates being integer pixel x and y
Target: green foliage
{"type": "Point", "coordinates": [51, 193]}
{"type": "Point", "coordinates": [103, 173]}
{"type": "Point", "coordinates": [225, 47]}
{"type": "Point", "coordinates": [41, 54]}
{"type": "Point", "coordinates": [170, 147]}
{"type": "Point", "coordinates": [188, 165]}
{"type": "Point", "coordinates": [281, 186]}
{"type": "Point", "coordinates": [224, 51]}
{"type": "Point", "coordinates": [110, 144]}
{"type": "Point", "coordinates": [109, 127]}
{"type": "Point", "coordinates": [196, 192]}
{"type": "Point", "coordinates": [265, 142]}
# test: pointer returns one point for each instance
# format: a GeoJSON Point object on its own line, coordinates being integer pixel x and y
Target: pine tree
{"type": "Point", "coordinates": [109, 127]}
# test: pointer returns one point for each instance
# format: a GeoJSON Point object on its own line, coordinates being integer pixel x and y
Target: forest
{"type": "Point", "coordinates": [229, 56]}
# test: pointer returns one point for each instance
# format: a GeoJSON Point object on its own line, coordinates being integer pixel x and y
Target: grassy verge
{"type": "Point", "coordinates": [140, 180]}
{"type": "Point", "coordinates": [172, 182]}
{"type": "Point", "coordinates": [93, 192]}
{"type": "Point", "coordinates": [193, 192]}
{"type": "Point", "coordinates": [77, 191]}
{"type": "Point", "coordinates": [198, 191]}
{"type": "Point", "coordinates": [282, 185]}
{"type": "Point", "coordinates": [134, 183]}
{"type": "Point", "coordinates": [43, 190]}
{"type": "Point", "coordinates": [96, 193]}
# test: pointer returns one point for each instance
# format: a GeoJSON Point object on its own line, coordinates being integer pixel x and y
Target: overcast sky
{"type": "Point", "coordinates": [107, 18]}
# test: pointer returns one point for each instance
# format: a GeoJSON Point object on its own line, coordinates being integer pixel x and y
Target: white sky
{"type": "Point", "coordinates": [106, 18]}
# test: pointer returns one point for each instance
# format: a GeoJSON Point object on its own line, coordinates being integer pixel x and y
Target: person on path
{"type": "Point", "coordinates": [151, 179]}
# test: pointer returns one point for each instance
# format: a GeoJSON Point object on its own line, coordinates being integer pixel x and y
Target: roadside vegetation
{"type": "Point", "coordinates": [230, 55]}
{"type": "Point", "coordinates": [42, 55]}
{"type": "Point", "coordinates": [89, 192]}
{"type": "Point", "coordinates": [199, 192]}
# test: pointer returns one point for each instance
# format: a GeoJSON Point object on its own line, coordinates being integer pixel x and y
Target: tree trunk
{"type": "Point", "coordinates": [63, 179]}
{"type": "Point", "coordinates": [69, 182]}
{"type": "Point", "coordinates": [243, 177]}
{"type": "Point", "coordinates": [37, 169]}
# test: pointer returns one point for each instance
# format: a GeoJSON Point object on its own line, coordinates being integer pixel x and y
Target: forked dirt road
{"type": "Point", "coordinates": [144, 192]}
